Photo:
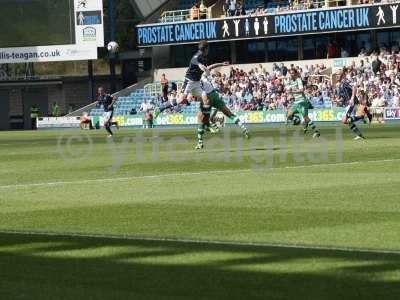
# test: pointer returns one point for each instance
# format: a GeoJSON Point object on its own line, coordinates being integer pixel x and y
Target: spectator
{"type": "Point", "coordinates": [146, 107]}
{"type": "Point", "coordinates": [164, 85]}
{"type": "Point", "coordinates": [84, 121]}
{"type": "Point", "coordinates": [376, 63]}
{"type": "Point", "coordinates": [232, 8]}
{"type": "Point", "coordinates": [55, 110]}
{"type": "Point", "coordinates": [343, 52]}
{"type": "Point", "coordinates": [226, 8]}
{"type": "Point", "coordinates": [203, 10]}
{"type": "Point", "coordinates": [195, 12]}
{"type": "Point", "coordinates": [330, 50]}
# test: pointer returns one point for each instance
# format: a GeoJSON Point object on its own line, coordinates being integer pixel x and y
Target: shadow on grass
{"type": "Point", "coordinates": [44, 267]}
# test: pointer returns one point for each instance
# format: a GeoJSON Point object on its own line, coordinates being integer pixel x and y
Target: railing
{"type": "Point", "coordinates": [6, 77]}
{"type": "Point", "coordinates": [155, 89]}
{"type": "Point", "coordinates": [378, 114]}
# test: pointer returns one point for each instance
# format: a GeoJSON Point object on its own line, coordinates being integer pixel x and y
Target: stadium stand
{"type": "Point", "coordinates": [131, 103]}
{"type": "Point", "coordinates": [259, 89]}
{"type": "Point", "coordinates": [185, 11]}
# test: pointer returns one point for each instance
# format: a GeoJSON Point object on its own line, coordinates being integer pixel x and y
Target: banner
{"type": "Point", "coordinates": [338, 64]}
{"type": "Point", "coordinates": [349, 18]}
{"type": "Point", "coordinates": [88, 33]}
{"type": "Point", "coordinates": [89, 22]}
{"type": "Point", "coordinates": [59, 122]}
{"type": "Point", "coordinates": [47, 53]}
{"type": "Point", "coordinates": [248, 117]}
{"type": "Point", "coordinates": [392, 113]}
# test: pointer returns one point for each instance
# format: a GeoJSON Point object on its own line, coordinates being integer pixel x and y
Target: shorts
{"type": "Point", "coordinates": [107, 116]}
{"type": "Point", "coordinates": [215, 100]}
{"type": "Point", "coordinates": [300, 107]}
{"type": "Point", "coordinates": [354, 119]}
{"type": "Point", "coordinates": [193, 88]}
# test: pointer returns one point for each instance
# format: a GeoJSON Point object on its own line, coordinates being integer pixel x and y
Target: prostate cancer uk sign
{"type": "Point", "coordinates": [349, 18]}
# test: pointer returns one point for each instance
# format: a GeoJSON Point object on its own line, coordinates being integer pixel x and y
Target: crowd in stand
{"type": "Point", "coordinates": [262, 90]}
{"type": "Point", "coordinates": [198, 11]}
{"type": "Point", "coordinates": [232, 8]}
{"type": "Point", "coordinates": [237, 7]}
{"type": "Point", "coordinates": [378, 74]}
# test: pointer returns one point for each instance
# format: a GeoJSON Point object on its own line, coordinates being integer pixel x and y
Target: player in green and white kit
{"type": "Point", "coordinates": [301, 104]}
{"type": "Point", "coordinates": [212, 99]}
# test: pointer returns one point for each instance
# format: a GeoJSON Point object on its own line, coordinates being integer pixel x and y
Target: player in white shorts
{"type": "Point", "coordinates": [192, 83]}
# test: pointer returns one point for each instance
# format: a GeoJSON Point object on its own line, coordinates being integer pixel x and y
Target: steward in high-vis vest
{"type": "Point", "coordinates": [34, 116]}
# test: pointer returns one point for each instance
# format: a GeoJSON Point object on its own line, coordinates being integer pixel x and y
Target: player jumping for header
{"type": "Point", "coordinates": [211, 96]}
{"type": "Point", "coordinates": [301, 104]}
{"type": "Point", "coordinates": [192, 85]}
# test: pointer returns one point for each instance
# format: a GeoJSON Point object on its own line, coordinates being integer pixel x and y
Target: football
{"type": "Point", "coordinates": [113, 47]}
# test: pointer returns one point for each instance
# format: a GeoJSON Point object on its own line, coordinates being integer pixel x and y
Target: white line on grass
{"type": "Point", "coordinates": [114, 179]}
{"type": "Point", "coordinates": [201, 242]}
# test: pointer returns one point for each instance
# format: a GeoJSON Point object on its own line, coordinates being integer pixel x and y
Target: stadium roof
{"type": "Point", "coordinates": [146, 8]}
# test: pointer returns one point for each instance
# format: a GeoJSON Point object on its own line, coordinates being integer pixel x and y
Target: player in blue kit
{"type": "Point", "coordinates": [192, 83]}
{"type": "Point", "coordinates": [107, 101]}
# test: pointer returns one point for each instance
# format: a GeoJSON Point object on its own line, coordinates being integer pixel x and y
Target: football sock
{"type": "Point", "coordinates": [237, 121]}
{"type": "Point", "coordinates": [200, 133]}
{"type": "Point", "coordinates": [313, 127]}
{"type": "Point", "coordinates": [107, 126]}
{"type": "Point", "coordinates": [355, 129]}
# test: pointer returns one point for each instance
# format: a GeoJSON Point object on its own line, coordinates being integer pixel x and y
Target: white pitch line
{"type": "Point", "coordinates": [56, 183]}
{"type": "Point", "coordinates": [202, 242]}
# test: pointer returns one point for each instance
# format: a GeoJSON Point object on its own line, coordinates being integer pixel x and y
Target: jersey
{"type": "Point", "coordinates": [296, 89]}
{"type": "Point", "coordinates": [212, 94]}
{"type": "Point", "coordinates": [106, 100]}
{"type": "Point", "coordinates": [146, 107]}
{"type": "Point", "coordinates": [345, 90]}
{"type": "Point", "coordinates": [206, 85]}
{"type": "Point", "coordinates": [194, 72]}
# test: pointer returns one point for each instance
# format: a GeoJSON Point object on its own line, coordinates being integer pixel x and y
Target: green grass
{"type": "Point", "coordinates": [110, 223]}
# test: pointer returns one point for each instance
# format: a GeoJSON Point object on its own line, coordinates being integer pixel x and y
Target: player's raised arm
{"type": "Point", "coordinates": [205, 69]}
{"type": "Point", "coordinates": [218, 65]}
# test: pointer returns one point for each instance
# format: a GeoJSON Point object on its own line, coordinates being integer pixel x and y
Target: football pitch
{"type": "Point", "coordinates": [144, 216]}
